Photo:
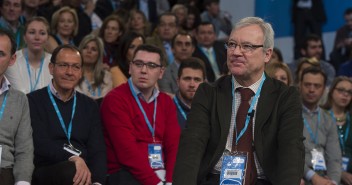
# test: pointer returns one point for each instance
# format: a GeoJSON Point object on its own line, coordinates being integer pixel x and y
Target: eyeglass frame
{"type": "Point", "coordinates": [147, 64]}
{"type": "Point", "coordinates": [65, 66]}
{"type": "Point", "coordinates": [251, 48]}
{"type": "Point", "coordinates": [344, 91]}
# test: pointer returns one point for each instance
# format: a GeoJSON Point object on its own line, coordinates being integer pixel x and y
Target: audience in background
{"type": "Point", "coordinates": [139, 23]}
{"type": "Point", "coordinates": [276, 56]}
{"type": "Point", "coordinates": [279, 71]}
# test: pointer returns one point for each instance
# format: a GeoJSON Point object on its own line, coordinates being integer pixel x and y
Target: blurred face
{"type": "Point", "coordinates": [348, 20]}
{"type": "Point", "coordinates": [213, 9]}
{"type": "Point", "coordinates": [143, 77]}
{"type": "Point", "coordinates": [6, 59]}
{"type": "Point", "coordinates": [206, 35]}
{"type": "Point", "coordinates": [182, 47]}
{"type": "Point", "coordinates": [274, 57]}
{"type": "Point", "coordinates": [342, 94]}
{"type": "Point", "coordinates": [247, 65]}
{"type": "Point", "coordinates": [190, 20]}
{"type": "Point", "coordinates": [67, 70]}
{"type": "Point", "coordinates": [11, 10]}
{"type": "Point", "coordinates": [167, 28]}
{"type": "Point", "coordinates": [31, 3]}
{"type": "Point", "coordinates": [90, 53]}
{"type": "Point", "coordinates": [303, 67]}
{"type": "Point", "coordinates": [36, 35]}
{"type": "Point", "coordinates": [135, 43]}
{"type": "Point", "coordinates": [311, 88]}
{"type": "Point", "coordinates": [188, 82]}
{"type": "Point", "coordinates": [137, 21]}
{"type": "Point", "coordinates": [281, 75]}
{"type": "Point", "coordinates": [181, 15]}
{"type": "Point", "coordinates": [66, 24]}
{"type": "Point", "coordinates": [112, 31]}
{"type": "Point", "coordinates": [314, 49]}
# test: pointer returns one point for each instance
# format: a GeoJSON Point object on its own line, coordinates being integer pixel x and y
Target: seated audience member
{"type": "Point", "coordinates": [30, 71]}
{"type": "Point", "coordinates": [128, 44]}
{"type": "Point", "coordinates": [16, 144]}
{"type": "Point", "coordinates": [142, 132]}
{"type": "Point", "coordinates": [96, 81]}
{"type": "Point", "coordinates": [339, 106]}
{"type": "Point", "coordinates": [11, 11]}
{"type": "Point", "coordinates": [139, 23]}
{"type": "Point", "coordinates": [304, 63]}
{"type": "Point", "coordinates": [191, 73]}
{"type": "Point", "coordinates": [345, 69]}
{"type": "Point", "coordinates": [279, 71]}
{"type": "Point", "coordinates": [183, 46]}
{"type": "Point", "coordinates": [64, 27]}
{"type": "Point", "coordinates": [192, 20]}
{"type": "Point", "coordinates": [322, 150]}
{"type": "Point", "coordinates": [181, 12]}
{"type": "Point", "coordinates": [67, 134]}
{"type": "Point", "coordinates": [276, 56]}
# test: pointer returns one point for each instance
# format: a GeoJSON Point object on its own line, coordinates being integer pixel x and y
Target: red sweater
{"type": "Point", "coordinates": [127, 135]}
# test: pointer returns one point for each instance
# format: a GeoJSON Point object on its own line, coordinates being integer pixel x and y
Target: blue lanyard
{"type": "Point", "coordinates": [151, 129]}
{"type": "Point", "coordinates": [90, 88]}
{"type": "Point", "coordinates": [3, 105]}
{"type": "Point", "coordinates": [180, 108]}
{"type": "Point", "coordinates": [313, 137]}
{"type": "Point", "coordinates": [67, 131]}
{"type": "Point", "coordinates": [29, 70]}
{"type": "Point", "coordinates": [342, 136]}
{"type": "Point", "coordinates": [18, 38]}
{"type": "Point", "coordinates": [110, 57]}
{"type": "Point", "coordinates": [248, 117]}
{"type": "Point", "coordinates": [61, 43]}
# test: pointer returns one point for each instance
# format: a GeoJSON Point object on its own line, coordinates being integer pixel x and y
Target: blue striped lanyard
{"type": "Point", "coordinates": [248, 117]}
{"type": "Point", "coordinates": [342, 136]}
{"type": "Point", "coordinates": [29, 70]}
{"type": "Point", "coordinates": [180, 108]}
{"type": "Point", "coordinates": [3, 105]}
{"type": "Point", "coordinates": [151, 128]}
{"type": "Point", "coordinates": [91, 90]}
{"type": "Point", "coordinates": [313, 137]}
{"type": "Point", "coordinates": [67, 131]}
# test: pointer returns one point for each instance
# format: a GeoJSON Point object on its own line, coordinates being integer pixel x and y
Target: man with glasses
{"type": "Point", "coordinates": [246, 128]}
{"type": "Point", "coordinates": [141, 128]}
{"type": "Point", "coordinates": [68, 139]}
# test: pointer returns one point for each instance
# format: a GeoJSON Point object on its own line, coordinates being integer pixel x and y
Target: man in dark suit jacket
{"type": "Point", "coordinates": [276, 137]}
{"type": "Point", "coordinates": [206, 39]}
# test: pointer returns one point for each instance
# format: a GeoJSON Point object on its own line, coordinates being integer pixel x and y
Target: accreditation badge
{"type": "Point", "coordinates": [345, 161]}
{"type": "Point", "coordinates": [72, 150]}
{"type": "Point", "coordinates": [233, 169]}
{"type": "Point", "coordinates": [155, 156]}
{"type": "Point", "coordinates": [0, 154]}
{"type": "Point", "coordinates": [318, 161]}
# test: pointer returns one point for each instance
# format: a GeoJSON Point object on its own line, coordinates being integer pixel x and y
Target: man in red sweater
{"type": "Point", "coordinates": [140, 125]}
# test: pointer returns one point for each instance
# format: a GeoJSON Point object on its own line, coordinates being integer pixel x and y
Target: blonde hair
{"type": "Point", "coordinates": [272, 67]}
{"type": "Point", "coordinates": [56, 16]}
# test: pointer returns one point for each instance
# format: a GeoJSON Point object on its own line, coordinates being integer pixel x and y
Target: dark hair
{"type": "Point", "coordinates": [22, 4]}
{"type": "Point", "coordinates": [314, 70]}
{"type": "Point", "coordinates": [208, 2]}
{"type": "Point", "coordinates": [151, 49]}
{"type": "Point", "coordinates": [278, 53]}
{"type": "Point", "coordinates": [348, 11]}
{"type": "Point", "coordinates": [205, 24]}
{"type": "Point", "coordinates": [337, 80]}
{"type": "Point", "coordinates": [5, 32]}
{"type": "Point", "coordinates": [193, 63]}
{"type": "Point", "coordinates": [308, 38]}
{"type": "Point", "coordinates": [123, 48]}
{"type": "Point", "coordinates": [167, 14]}
{"type": "Point", "coordinates": [193, 40]}
{"type": "Point", "coordinates": [105, 23]}
{"type": "Point", "coordinates": [197, 20]}
{"type": "Point", "coordinates": [61, 47]}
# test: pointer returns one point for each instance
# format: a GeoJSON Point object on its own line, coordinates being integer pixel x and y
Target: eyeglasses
{"type": "Point", "coordinates": [344, 91]}
{"type": "Point", "coordinates": [245, 48]}
{"type": "Point", "coordinates": [65, 66]}
{"type": "Point", "coordinates": [150, 65]}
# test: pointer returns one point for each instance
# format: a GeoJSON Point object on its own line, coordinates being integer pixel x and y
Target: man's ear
{"type": "Point", "coordinates": [12, 59]}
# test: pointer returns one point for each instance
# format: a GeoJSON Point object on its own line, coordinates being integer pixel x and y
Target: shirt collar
{"type": "Point", "coordinates": [254, 87]}
{"type": "Point", "coordinates": [308, 111]}
{"type": "Point", "coordinates": [5, 85]}
{"type": "Point", "coordinates": [56, 94]}
{"type": "Point", "coordinates": [140, 95]}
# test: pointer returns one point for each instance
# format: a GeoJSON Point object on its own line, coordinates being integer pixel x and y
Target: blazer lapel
{"type": "Point", "coordinates": [224, 107]}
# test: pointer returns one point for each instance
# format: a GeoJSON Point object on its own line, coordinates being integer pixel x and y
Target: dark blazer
{"type": "Point", "coordinates": [317, 10]}
{"type": "Point", "coordinates": [278, 133]}
{"type": "Point", "coordinates": [220, 53]}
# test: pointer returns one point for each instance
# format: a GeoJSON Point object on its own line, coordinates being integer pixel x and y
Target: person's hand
{"type": "Point", "coordinates": [318, 180]}
{"type": "Point", "coordinates": [302, 182]}
{"type": "Point", "coordinates": [106, 66]}
{"type": "Point", "coordinates": [83, 175]}
{"type": "Point", "coordinates": [346, 178]}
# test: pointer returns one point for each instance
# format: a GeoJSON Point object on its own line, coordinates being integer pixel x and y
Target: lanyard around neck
{"type": "Point", "coordinates": [342, 136]}
{"type": "Point", "coordinates": [3, 105]}
{"type": "Point", "coordinates": [32, 88]}
{"type": "Point", "coordinates": [91, 90]}
{"type": "Point", "coordinates": [313, 137]}
{"type": "Point", "coordinates": [180, 108]}
{"type": "Point", "coordinates": [69, 129]}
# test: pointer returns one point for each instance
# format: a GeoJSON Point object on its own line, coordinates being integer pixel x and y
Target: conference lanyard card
{"type": "Point", "coordinates": [155, 156]}
{"type": "Point", "coordinates": [233, 169]}
{"type": "Point", "coordinates": [0, 154]}
{"type": "Point", "coordinates": [318, 160]}
{"type": "Point", "coordinates": [345, 161]}
{"type": "Point", "coordinates": [72, 150]}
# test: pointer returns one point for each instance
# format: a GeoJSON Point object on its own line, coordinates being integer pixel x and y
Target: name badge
{"type": "Point", "coordinates": [345, 161]}
{"type": "Point", "coordinates": [233, 169]}
{"type": "Point", "coordinates": [72, 150]}
{"type": "Point", "coordinates": [318, 160]}
{"type": "Point", "coordinates": [0, 154]}
{"type": "Point", "coordinates": [155, 156]}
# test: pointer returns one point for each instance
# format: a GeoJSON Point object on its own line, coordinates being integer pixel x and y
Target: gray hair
{"type": "Point", "coordinates": [265, 26]}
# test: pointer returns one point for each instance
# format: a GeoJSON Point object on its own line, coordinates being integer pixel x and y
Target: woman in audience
{"type": "Point", "coordinates": [96, 82]}
{"type": "Point", "coordinates": [120, 71]}
{"type": "Point", "coordinates": [139, 23]}
{"type": "Point", "coordinates": [279, 71]}
{"type": "Point", "coordinates": [339, 106]}
{"type": "Point", "coordinates": [110, 32]}
{"type": "Point", "coordinates": [181, 12]}
{"type": "Point", "coordinates": [64, 25]}
{"type": "Point", "coordinates": [192, 21]}
{"type": "Point", "coordinates": [30, 71]}
{"type": "Point", "coordinates": [276, 56]}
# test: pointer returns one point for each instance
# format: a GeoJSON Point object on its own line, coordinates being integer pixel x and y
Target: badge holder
{"type": "Point", "coordinates": [233, 170]}
{"type": "Point", "coordinates": [345, 161]}
{"type": "Point", "coordinates": [318, 161]}
{"type": "Point", "coordinates": [155, 156]}
{"type": "Point", "coordinates": [72, 150]}
{"type": "Point", "coordinates": [0, 157]}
